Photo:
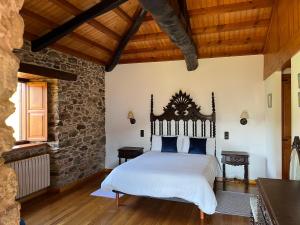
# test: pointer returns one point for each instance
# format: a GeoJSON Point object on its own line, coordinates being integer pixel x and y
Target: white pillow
{"type": "Point", "coordinates": [210, 144]}
{"type": "Point", "coordinates": [156, 144]}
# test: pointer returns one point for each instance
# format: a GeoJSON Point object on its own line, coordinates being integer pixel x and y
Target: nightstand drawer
{"type": "Point", "coordinates": [234, 159]}
{"type": "Point", "coordinates": [129, 154]}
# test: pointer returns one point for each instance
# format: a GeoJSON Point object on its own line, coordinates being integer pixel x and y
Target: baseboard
{"type": "Point", "coordinates": [33, 195]}
{"type": "Point", "coordinates": [65, 188]}
{"type": "Point", "coordinates": [235, 180]}
{"type": "Point", "coordinates": [107, 171]}
{"type": "Point", "coordinates": [78, 183]}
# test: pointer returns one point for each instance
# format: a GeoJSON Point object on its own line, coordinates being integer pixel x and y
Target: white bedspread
{"type": "Point", "coordinates": [168, 175]}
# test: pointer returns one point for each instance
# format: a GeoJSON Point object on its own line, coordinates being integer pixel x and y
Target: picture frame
{"type": "Point", "coordinates": [269, 99]}
{"type": "Point", "coordinates": [298, 80]}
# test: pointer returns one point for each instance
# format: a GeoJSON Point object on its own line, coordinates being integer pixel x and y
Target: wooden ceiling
{"type": "Point", "coordinates": [219, 28]}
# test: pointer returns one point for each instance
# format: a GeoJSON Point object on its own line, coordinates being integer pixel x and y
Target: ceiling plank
{"type": "Point", "coordinates": [226, 8]}
{"type": "Point", "coordinates": [207, 30]}
{"type": "Point", "coordinates": [27, 13]}
{"type": "Point", "coordinates": [50, 24]}
{"type": "Point", "coordinates": [139, 18]}
{"type": "Point", "coordinates": [121, 13]}
{"type": "Point", "coordinates": [233, 7]}
{"type": "Point", "coordinates": [76, 53]}
{"type": "Point", "coordinates": [73, 10]}
{"type": "Point", "coordinates": [66, 28]}
{"type": "Point", "coordinates": [180, 57]}
{"type": "Point", "coordinates": [232, 27]}
{"type": "Point", "coordinates": [89, 42]}
{"type": "Point", "coordinates": [216, 43]}
{"type": "Point", "coordinates": [67, 50]}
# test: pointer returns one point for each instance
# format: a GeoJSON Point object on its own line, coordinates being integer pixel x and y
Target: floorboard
{"type": "Point", "coordinates": [77, 207]}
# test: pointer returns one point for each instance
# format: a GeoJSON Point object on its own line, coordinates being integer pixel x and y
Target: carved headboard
{"type": "Point", "coordinates": [183, 112]}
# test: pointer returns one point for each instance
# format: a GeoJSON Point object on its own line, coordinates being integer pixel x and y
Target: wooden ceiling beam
{"type": "Point", "coordinates": [148, 17]}
{"type": "Point", "coordinates": [67, 50]}
{"type": "Point", "coordinates": [46, 72]}
{"type": "Point", "coordinates": [226, 8]}
{"type": "Point", "coordinates": [207, 30]}
{"type": "Point", "coordinates": [169, 16]}
{"type": "Point", "coordinates": [180, 57]}
{"type": "Point", "coordinates": [206, 44]}
{"type": "Point", "coordinates": [121, 13]}
{"type": "Point", "coordinates": [186, 16]}
{"type": "Point", "coordinates": [66, 28]}
{"type": "Point", "coordinates": [180, 8]}
{"type": "Point", "coordinates": [139, 18]}
{"type": "Point", "coordinates": [74, 11]}
{"type": "Point", "coordinates": [74, 35]}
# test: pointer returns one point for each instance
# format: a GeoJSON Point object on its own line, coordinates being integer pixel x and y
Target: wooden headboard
{"type": "Point", "coordinates": [183, 112]}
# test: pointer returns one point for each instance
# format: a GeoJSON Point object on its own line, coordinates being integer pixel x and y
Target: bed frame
{"type": "Point", "coordinates": [182, 116]}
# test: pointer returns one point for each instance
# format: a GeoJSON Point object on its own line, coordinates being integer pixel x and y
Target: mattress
{"type": "Point", "coordinates": [168, 175]}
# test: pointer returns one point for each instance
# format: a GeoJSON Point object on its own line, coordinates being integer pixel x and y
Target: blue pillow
{"type": "Point", "coordinates": [197, 146]}
{"type": "Point", "coordinates": [169, 144]}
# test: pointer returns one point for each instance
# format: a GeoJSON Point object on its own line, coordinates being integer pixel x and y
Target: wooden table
{"type": "Point", "coordinates": [235, 158]}
{"type": "Point", "coordinates": [278, 202]}
{"type": "Point", "coordinates": [129, 153]}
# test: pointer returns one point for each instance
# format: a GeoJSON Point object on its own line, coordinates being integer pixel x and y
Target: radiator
{"type": "Point", "coordinates": [33, 174]}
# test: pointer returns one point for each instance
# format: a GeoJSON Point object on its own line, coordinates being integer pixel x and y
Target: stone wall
{"type": "Point", "coordinates": [76, 115]}
{"type": "Point", "coordinates": [11, 33]}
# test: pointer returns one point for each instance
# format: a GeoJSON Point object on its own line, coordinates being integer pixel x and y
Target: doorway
{"type": "Point", "coordinates": [286, 124]}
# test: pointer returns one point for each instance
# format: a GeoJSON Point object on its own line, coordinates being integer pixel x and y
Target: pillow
{"type": "Point", "coordinates": [169, 144]}
{"type": "Point", "coordinates": [210, 145]}
{"type": "Point", "coordinates": [197, 146]}
{"type": "Point", "coordinates": [156, 144]}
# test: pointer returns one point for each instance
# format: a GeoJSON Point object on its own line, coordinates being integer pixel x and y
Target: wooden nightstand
{"type": "Point", "coordinates": [129, 153]}
{"type": "Point", "coordinates": [235, 159]}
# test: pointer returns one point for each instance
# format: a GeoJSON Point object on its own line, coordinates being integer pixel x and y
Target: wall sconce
{"type": "Point", "coordinates": [131, 117]}
{"type": "Point", "coordinates": [244, 117]}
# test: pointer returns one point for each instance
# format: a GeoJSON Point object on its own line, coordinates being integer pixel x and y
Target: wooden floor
{"type": "Point", "coordinates": [77, 207]}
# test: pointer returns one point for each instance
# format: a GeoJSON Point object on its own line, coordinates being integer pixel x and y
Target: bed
{"type": "Point", "coordinates": [180, 176]}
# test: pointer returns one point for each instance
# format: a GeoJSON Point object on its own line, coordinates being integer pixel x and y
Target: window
{"type": "Point", "coordinates": [29, 120]}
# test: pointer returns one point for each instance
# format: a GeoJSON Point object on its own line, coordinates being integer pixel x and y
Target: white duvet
{"type": "Point", "coordinates": [168, 175]}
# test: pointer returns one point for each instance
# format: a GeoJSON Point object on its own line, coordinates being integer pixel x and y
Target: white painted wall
{"type": "Point", "coordinates": [295, 63]}
{"type": "Point", "coordinates": [273, 126]}
{"type": "Point", "coordinates": [237, 83]}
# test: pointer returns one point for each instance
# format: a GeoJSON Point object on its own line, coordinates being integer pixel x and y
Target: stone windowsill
{"type": "Point", "coordinates": [29, 145]}
{"type": "Point", "coordinates": [24, 151]}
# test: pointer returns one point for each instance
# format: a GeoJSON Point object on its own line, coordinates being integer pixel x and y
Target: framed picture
{"type": "Point", "coordinates": [270, 100]}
